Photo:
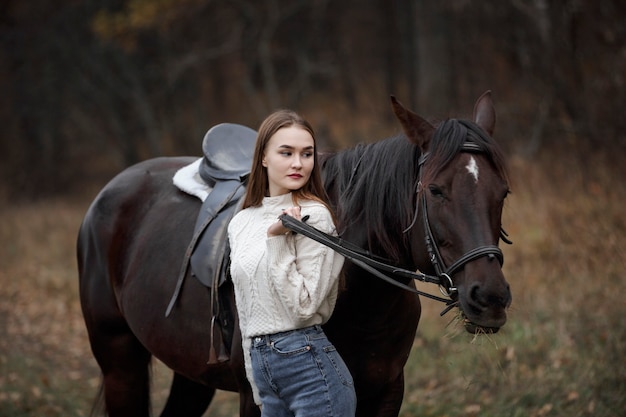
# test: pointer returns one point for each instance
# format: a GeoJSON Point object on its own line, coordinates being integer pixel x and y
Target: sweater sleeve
{"type": "Point", "coordinates": [304, 272]}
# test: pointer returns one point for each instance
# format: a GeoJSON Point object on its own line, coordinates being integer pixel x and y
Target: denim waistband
{"type": "Point", "coordinates": [267, 338]}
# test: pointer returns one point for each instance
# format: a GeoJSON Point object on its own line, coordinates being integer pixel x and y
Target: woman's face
{"type": "Point", "coordinates": [289, 159]}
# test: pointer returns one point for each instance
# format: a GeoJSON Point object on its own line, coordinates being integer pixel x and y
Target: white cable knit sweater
{"type": "Point", "coordinates": [281, 282]}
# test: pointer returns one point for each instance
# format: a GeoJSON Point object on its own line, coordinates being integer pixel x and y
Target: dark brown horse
{"type": "Point", "coordinates": [431, 199]}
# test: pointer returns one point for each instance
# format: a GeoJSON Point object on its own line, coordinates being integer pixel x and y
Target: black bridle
{"type": "Point", "coordinates": [380, 268]}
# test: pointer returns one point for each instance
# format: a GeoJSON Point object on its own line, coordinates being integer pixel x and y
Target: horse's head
{"type": "Point", "coordinates": [461, 192]}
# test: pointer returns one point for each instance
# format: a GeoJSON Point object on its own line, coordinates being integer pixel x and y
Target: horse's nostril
{"type": "Point", "coordinates": [482, 299]}
{"type": "Point", "coordinates": [474, 293]}
{"type": "Point", "coordinates": [508, 299]}
{"type": "Point", "coordinates": [477, 303]}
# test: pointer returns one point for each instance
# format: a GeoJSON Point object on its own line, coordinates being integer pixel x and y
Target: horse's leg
{"type": "Point", "coordinates": [125, 368]}
{"type": "Point", "coordinates": [385, 404]}
{"type": "Point", "coordinates": [247, 407]}
{"type": "Point", "coordinates": [187, 398]}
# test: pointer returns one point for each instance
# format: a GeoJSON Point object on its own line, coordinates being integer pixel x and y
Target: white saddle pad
{"type": "Point", "coordinates": [188, 179]}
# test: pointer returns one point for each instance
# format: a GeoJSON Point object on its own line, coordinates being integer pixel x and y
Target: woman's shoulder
{"type": "Point", "coordinates": [319, 214]}
{"type": "Point", "coordinates": [314, 206]}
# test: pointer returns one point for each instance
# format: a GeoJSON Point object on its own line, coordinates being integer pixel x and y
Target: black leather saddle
{"type": "Point", "coordinates": [228, 150]}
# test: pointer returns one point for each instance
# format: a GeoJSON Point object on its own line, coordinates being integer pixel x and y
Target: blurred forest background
{"type": "Point", "coordinates": [91, 87]}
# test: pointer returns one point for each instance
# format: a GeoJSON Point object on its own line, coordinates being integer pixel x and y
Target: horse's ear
{"type": "Point", "coordinates": [485, 113]}
{"type": "Point", "coordinates": [417, 130]}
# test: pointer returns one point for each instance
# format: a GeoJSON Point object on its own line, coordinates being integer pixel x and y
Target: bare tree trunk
{"type": "Point", "coordinates": [433, 59]}
{"type": "Point", "coordinates": [410, 49]}
{"type": "Point", "coordinates": [265, 53]}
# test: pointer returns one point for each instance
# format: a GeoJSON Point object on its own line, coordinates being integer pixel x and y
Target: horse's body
{"type": "Point", "coordinates": [132, 243]}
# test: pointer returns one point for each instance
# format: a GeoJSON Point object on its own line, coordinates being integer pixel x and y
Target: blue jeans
{"type": "Point", "coordinates": [300, 373]}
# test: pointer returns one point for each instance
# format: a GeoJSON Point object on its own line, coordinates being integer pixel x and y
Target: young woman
{"type": "Point", "coordinates": [286, 285]}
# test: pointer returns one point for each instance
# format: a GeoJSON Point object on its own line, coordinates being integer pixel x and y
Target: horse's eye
{"type": "Point", "coordinates": [435, 191]}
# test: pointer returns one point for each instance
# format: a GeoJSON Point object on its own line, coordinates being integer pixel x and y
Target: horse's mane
{"type": "Point", "coordinates": [375, 184]}
{"type": "Point", "coordinates": [447, 141]}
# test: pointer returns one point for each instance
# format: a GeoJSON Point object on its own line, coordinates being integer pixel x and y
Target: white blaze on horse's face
{"type": "Point", "coordinates": [472, 168]}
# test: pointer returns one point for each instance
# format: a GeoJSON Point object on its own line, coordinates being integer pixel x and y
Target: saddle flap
{"type": "Point", "coordinates": [208, 256]}
{"type": "Point", "coordinates": [228, 149]}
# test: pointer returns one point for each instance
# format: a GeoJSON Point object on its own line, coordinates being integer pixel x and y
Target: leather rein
{"type": "Point", "coordinates": [387, 272]}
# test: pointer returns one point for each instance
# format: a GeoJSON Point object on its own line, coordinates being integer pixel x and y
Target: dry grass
{"type": "Point", "coordinates": [561, 353]}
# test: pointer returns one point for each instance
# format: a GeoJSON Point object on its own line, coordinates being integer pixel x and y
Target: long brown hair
{"type": "Point", "coordinates": [258, 185]}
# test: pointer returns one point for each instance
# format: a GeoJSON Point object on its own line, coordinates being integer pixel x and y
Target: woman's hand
{"type": "Point", "coordinates": [277, 229]}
